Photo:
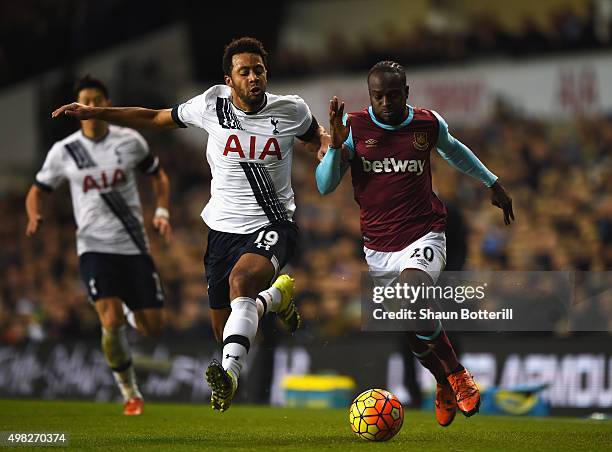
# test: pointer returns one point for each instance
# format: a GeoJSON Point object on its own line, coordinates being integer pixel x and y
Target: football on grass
{"type": "Point", "coordinates": [376, 415]}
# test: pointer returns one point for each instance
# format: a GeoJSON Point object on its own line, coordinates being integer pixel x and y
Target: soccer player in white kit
{"type": "Point", "coordinates": [252, 234]}
{"type": "Point", "coordinates": [99, 162]}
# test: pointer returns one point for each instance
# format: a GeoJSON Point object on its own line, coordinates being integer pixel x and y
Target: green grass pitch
{"type": "Point", "coordinates": [100, 426]}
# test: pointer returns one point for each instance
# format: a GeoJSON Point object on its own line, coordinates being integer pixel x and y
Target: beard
{"type": "Point", "coordinates": [253, 100]}
{"type": "Point", "coordinates": [251, 96]}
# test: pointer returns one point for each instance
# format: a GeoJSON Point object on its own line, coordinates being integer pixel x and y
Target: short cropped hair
{"type": "Point", "coordinates": [243, 45]}
{"type": "Point", "coordinates": [390, 67]}
{"type": "Point", "coordinates": [89, 82]}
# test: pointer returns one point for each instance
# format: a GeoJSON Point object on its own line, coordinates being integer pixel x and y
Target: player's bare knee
{"type": "Point", "coordinates": [415, 277]}
{"type": "Point", "coordinates": [110, 313]}
{"type": "Point", "coordinates": [243, 283]}
{"type": "Point", "coordinates": [111, 320]}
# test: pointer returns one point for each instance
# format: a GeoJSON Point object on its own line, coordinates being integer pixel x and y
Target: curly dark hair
{"type": "Point", "coordinates": [243, 45]}
{"type": "Point", "coordinates": [88, 81]}
{"type": "Point", "coordinates": [389, 66]}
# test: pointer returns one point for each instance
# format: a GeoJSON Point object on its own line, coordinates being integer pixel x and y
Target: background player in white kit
{"type": "Point", "coordinates": [250, 145]}
{"type": "Point", "coordinates": [99, 162]}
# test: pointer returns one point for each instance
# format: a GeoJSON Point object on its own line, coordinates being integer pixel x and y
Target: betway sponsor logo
{"type": "Point", "coordinates": [390, 165]}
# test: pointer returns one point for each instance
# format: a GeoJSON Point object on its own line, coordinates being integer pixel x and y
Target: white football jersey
{"type": "Point", "coordinates": [103, 186]}
{"type": "Point", "coordinates": [249, 155]}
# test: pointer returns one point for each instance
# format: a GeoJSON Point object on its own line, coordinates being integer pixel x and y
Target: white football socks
{"type": "Point", "coordinates": [239, 333]}
{"type": "Point", "coordinates": [268, 301]}
{"type": "Point", "coordinates": [117, 352]}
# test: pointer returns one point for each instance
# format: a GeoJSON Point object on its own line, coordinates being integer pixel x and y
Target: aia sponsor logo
{"type": "Point", "coordinates": [271, 148]}
{"type": "Point", "coordinates": [104, 181]}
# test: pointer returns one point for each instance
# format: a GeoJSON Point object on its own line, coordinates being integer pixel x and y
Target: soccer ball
{"type": "Point", "coordinates": [376, 415]}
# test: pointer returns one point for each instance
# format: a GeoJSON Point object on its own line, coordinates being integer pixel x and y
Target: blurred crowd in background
{"type": "Point", "coordinates": [560, 177]}
{"type": "Point", "coordinates": [449, 35]}
{"type": "Point", "coordinates": [62, 31]}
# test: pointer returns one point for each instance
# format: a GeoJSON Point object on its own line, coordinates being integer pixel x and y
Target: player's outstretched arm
{"type": "Point", "coordinates": [134, 117]}
{"type": "Point", "coordinates": [462, 158]}
{"type": "Point", "coordinates": [161, 219]}
{"type": "Point", "coordinates": [33, 206]}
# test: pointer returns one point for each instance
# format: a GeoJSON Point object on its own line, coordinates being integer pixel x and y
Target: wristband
{"type": "Point", "coordinates": [162, 212]}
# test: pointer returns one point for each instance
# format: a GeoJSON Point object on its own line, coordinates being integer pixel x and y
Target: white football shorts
{"type": "Point", "coordinates": [427, 254]}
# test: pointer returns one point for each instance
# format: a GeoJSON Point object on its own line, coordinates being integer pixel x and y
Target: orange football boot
{"type": "Point", "coordinates": [445, 405]}
{"type": "Point", "coordinates": [133, 407]}
{"type": "Point", "coordinates": [466, 392]}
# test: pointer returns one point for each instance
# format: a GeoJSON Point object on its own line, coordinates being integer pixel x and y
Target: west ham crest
{"type": "Point", "coordinates": [421, 142]}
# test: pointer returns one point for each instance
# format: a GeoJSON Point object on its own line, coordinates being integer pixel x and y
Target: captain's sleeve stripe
{"type": "Point", "coordinates": [175, 117]}
{"type": "Point", "coordinates": [43, 186]}
{"type": "Point", "coordinates": [149, 165]}
{"type": "Point", "coordinates": [310, 133]}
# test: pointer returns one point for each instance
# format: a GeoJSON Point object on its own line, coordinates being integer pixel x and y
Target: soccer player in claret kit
{"type": "Point", "coordinates": [387, 146]}
{"type": "Point", "coordinates": [99, 162]}
{"type": "Point", "coordinates": [252, 235]}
